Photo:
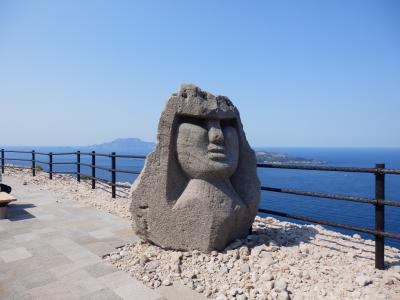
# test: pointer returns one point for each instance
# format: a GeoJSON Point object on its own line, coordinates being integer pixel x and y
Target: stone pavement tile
{"type": "Point", "coordinates": [115, 242]}
{"type": "Point", "coordinates": [25, 237]}
{"type": "Point", "coordinates": [127, 235]}
{"type": "Point", "coordinates": [57, 290]}
{"type": "Point", "coordinates": [136, 291]}
{"type": "Point", "coordinates": [7, 243]}
{"type": "Point", "coordinates": [44, 230]}
{"type": "Point", "coordinates": [64, 269]}
{"type": "Point", "coordinates": [84, 258]}
{"type": "Point", "coordinates": [83, 238]}
{"type": "Point", "coordinates": [115, 279]}
{"type": "Point", "coordinates": [46, 217]}
{"type": "Point", "coordinates": [10, 232]}
{"type": "Point", "coordinates": [36, 279]}
{"type": "Point", "coordinates": [102, 233]}
{"type": "Point", "coordinates": [178, 291]}
{"type": "Point", "coordinates": [11, 290]}
{"type": "Point", "coordinates": [127, 287]}
{"type": "Point", "coordinates": [103, 294]}
{"type": "Point", "coordinates": [75, 224]}
{"type": "Point", "coordinates": [65, 245]}
{"type": "Point", "coordinates": [48, 257]}
{"type": "Point", "coordinates": [82, 282]}
{"type": "Point", "coordinates": [75, 285]}
{"type": "Point", "coordinates": [99, 248]}
{"type": "Point", "coordinates": [100, 269]}
{"type": "Point", "coordinates": [14, 254]}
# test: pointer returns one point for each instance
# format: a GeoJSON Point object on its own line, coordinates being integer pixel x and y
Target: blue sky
{"type": "Point", "coordinates": [302, 73]}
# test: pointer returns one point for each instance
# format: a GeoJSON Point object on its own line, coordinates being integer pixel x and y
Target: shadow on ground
{"type": "Point", "coordinates": [17, 212]}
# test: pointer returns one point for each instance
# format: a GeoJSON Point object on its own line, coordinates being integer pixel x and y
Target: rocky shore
{"type": "Point", "coordinates": [280, 260]}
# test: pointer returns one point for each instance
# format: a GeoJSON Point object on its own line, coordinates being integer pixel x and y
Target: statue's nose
{"type": "Point", "coordinates": [215, 134]}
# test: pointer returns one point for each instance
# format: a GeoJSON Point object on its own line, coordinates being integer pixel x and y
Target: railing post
{"type": "Point", "coordinates": [2, 160]}
{"type": "Point", "coordinates": [113, 177]}
{"type": "Point", "coordinates": [78, 166]}
{"type": "Point", "coordinates": [380, 217]}
{"type": "Point", "coordinates": [51, 165]}
{"type": "Point", "coordinates": [33, 163]}
{"type": "Point", "coordinates": [93, 170]}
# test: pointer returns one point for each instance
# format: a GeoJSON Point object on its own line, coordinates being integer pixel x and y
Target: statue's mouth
{"type": "Point", "coordinates": [216, 152]}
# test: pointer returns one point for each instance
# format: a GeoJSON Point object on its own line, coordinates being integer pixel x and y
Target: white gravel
{"type": "Point", "coordinates": [281, 260]}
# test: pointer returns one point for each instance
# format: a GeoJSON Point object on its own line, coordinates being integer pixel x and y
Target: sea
{"type": "Point", "coordinates": [341, 183]}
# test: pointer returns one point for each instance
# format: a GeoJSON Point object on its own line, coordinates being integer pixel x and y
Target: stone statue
{"type": "Point", "coordinates": [199, 188]}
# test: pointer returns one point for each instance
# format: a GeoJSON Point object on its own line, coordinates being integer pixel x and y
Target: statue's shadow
{"type": "Point", "coordinates": [287, 236]}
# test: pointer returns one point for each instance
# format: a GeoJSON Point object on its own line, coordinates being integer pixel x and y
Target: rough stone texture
{"type": "Point", "coordinates": [199, 188]}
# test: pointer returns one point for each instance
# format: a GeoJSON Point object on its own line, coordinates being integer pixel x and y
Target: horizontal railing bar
{"type": "Point", "coordinates": [130, 156]}
{"type": "Point", "coordinates": [25, 152]}
{"type": "Point", "coordinates": [64, 163]}
{"type": "Point", "coordinates": [97, 154]}
{"type": "Point", "coordinates": [126, 171]}
{"type": "Point", "coordinates": [390, 171]}
{"type": "Point", "coordinates": [88, 153]}
{"type": "Point", "coordinates": [40, 153]}
{"type": "Point", "coordinates": [328, 223]}
{"type": "Point", "coordinates": [102, 168]}
{"type": "Point", "coordinates": [42, 162]}
{"type": "Point", "coordinates": [19, 159]}
{"type": "Point", "coordinates": [64, 153]}
{"type": "Point", "coordinates": [16, 151]}
{"type": "Point", "coordinates": [116, 155]}
{"type": "Point", "coordinates": [319, 168]}
{"type": "Point", "coordinates": [86, 165]}
{"type": "Point", "coordinates": [108, 169]}
{"type": "Point", "coordinates": [58, 172]}
{"type": "Point", "coordinates": [329, 196]}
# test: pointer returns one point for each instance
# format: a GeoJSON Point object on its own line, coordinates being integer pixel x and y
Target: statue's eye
{"type": "Point", "coordinates": [227, 122]}
{"type": "Point", "coordinates": [195, 121]}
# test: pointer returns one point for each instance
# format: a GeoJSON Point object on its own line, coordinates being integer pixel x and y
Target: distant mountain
{"type": "Point", "coordinates": [128, 145]}
{"type": "Point", "coordinates": [264, 157]}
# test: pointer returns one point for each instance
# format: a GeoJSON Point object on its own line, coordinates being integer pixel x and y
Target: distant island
{"type": "Point", "coordinates": [125, 145]}
{"type": "Point", "coordinates": [264, 157]}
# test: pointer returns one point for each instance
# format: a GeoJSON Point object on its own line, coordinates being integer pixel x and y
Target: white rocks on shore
{"type": "Point", "coordinates": [281, 260]}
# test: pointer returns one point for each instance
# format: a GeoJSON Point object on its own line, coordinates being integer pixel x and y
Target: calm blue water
{"type": "Point", "coordinates": [351, 184]}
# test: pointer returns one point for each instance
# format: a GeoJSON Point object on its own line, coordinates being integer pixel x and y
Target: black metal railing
{"type": "Point", "coordinates": [379, 201]}
{"type": "Point", "coordinates": [77, 162]}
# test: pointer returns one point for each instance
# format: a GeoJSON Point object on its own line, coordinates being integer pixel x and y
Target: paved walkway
{"type": "Point", "coordinates": [52, 249]}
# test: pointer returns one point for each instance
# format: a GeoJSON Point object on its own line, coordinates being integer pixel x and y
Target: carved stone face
{"type": "Point", "coordinates": [199, 187]}
{"type": "Point", "coordinates": [207, 148]}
